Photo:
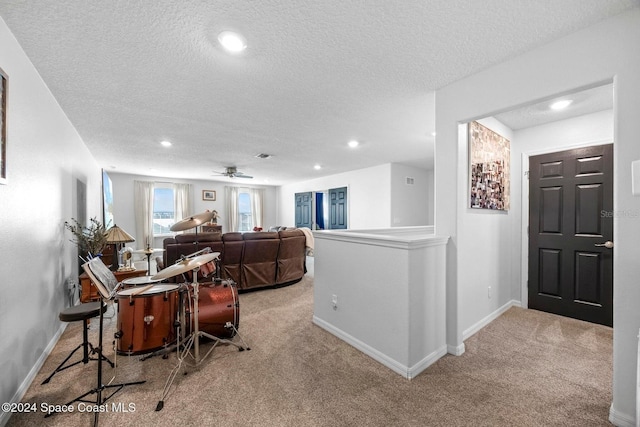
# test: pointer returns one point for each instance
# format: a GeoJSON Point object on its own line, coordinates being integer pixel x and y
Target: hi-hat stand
{"type": "Point", "coordinates": [193, 340]}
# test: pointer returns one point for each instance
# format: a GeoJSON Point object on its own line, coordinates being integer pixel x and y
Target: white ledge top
{"type": "Point", "coordinates": [398, 237]}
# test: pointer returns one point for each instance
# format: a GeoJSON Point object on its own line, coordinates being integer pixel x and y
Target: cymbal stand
{"type": "Point", "coordinates": [193, 341]}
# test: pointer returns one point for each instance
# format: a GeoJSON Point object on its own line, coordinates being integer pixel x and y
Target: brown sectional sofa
{"type": "Point", "coordinates": [252, 259]}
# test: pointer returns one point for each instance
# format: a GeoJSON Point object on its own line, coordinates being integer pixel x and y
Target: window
{"type": "Point", "coordinates": [244, 211]}
{"type": "Point", "coordinates": [164, 214]}
{"type": "Point", "coordinates": [244, 208]}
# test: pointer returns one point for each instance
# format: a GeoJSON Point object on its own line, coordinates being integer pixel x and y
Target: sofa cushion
{"type": "Point", "coordinates": [231, 236]}
{"type": "Point", "coordinates": [260, 235]}
{"type": "Point", "coordinates": [260, 259]}
{"type": "Point", "coordinates": [291, 256]}
{"type": "Point", "coordinates": [232, 257]}
{"type": "Point", "coordinates": [198, 238]}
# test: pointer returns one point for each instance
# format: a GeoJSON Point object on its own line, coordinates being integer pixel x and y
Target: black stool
{"type": "Point", "coordinates": [82, 312]}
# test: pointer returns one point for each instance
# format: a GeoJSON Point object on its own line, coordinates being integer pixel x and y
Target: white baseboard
{"type": "Point", "coordinates": [621, 420]}
{"type": "Point", "coordinates": [456, 350]}
{"type": "Point", "coordinates": [488, 319]}
{"type": "Point", "coordinates": [429, 360]}
{"type": "Point", "coordinates": [19, 394]}
{"type": "Point", "coordinates": [394, 365]}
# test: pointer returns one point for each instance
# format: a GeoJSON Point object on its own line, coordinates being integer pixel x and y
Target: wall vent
{"type": "Point", "coordinates": [408, 180]}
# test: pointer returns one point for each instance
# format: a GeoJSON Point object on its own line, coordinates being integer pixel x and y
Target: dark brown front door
{"type": "Point", "coordinates": [570, 214]}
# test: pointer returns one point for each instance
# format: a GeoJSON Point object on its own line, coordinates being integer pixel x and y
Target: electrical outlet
{"type": "Point", "coordinates": [489, 292]}
{"type": "Point", "coordinates": [334, 301]}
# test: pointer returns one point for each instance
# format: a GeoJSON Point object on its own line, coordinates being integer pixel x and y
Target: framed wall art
{"type": "Point", "coordinates": [3, 127]}
{"type": "Point", "coordinates": [489, 168]}
{"type": "Point", "coordinates": [209, 195]}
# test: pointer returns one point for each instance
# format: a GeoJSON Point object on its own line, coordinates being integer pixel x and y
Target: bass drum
{"type": "Point", "coordinates": [219, 309]}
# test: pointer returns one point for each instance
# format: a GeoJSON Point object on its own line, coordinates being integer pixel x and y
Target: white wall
{"type": "Point", "coordinates": [45, 157]}
{"type": "Point", "coordinates": [123, 202]}
{"type": "Point", "coordinates": [411, 204]}
{"type": "Point", "coordinates": [369, 196]}
{"type": "Point", "coordinates": [590, 129]}
{"type": "Point", "coordinates": [397, 319]}
{"type": "Point", "coordinates": [374, 195]}
{"type": "Point", "coordinates": [601, 53]}
{"type": "Point", "coordinates": [488, 244]}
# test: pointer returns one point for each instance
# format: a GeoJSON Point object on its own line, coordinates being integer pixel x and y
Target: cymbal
{"type": "Point", "coordinates": [185, 265]}
{"type": "Point", "coordinates": [148, 250]}
{"type": "Point", "coordinates": [192, 221]}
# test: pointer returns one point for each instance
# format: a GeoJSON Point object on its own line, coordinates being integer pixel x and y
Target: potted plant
{"type": "Point", "coordinates": [91, 239]}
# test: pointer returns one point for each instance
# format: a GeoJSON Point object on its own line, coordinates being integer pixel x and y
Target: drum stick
{"type": "Point", "coordinates": [141, 290]}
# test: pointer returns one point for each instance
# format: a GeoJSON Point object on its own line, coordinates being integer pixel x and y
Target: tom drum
{"type": "Point", "coordinates": [146, 319]}
{"type": "Point", "coordinates": [139, 281]}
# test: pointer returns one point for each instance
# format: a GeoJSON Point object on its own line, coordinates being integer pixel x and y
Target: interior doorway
{"type": "Point", "coordinates": [322, 210]}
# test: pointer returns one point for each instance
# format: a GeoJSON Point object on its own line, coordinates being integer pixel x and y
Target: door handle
{"type": "Point", "coordinates": [608, 244]}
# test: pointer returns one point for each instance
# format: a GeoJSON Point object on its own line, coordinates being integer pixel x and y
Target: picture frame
{"type": "Point", "coordinates": [3, 126]}
{"type": "Point", "coordinates": [489, 169]}
{"type": "Point", "coordinates": [209, 195]}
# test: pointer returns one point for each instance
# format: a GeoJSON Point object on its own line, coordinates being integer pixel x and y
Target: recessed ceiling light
{"type": "Point", "coordinates": [165, 143]}
{"type": "Point", "coordinates": [433, 134]}
{"type": "Point", "coordinates": [317, 167]}
{"type": "Point", "coordinates": [353, 143]}
{"type": "Point", "coordinates": [232, 42]}
{"type": "Point", "coordinates": [560, 105]}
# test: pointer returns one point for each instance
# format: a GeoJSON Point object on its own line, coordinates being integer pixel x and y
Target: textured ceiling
{"type": "Point", "coordinates": [315, 74]}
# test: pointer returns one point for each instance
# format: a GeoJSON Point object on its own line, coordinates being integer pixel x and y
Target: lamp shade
{"type": "Point", "coordinates": [117, 235]}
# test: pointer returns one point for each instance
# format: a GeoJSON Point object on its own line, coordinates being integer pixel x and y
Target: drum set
{"type": "Point", "coordinates": [158, 318]}
{"type": "Point", "coordinates": [153, 316]}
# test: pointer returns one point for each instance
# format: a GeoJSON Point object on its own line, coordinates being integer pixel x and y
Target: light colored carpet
{"type": "Point", "coordinates": [526, 368]}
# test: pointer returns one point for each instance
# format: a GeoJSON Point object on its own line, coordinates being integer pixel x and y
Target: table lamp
{"type": "Point", "coordinates": [117, 236]}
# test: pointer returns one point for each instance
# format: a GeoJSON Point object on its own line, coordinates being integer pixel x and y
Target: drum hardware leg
{"type": "Point", "coordinates": [217, 278]}
{"type": "Point", "coordinates": [229, 325]}
{"type": "Point", "coordinates": [194, 340]}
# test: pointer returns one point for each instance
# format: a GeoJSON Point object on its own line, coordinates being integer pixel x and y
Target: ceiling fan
{"type": "Point", "coordinates": [232, 172]}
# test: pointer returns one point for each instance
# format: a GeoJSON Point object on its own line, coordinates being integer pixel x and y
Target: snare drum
{"type": "Point", "coordinates": [146, 319]}
{"type": "Point", "coordinates": [139, 281]}
{"type": "Point", "coordinates": [218, 305]}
